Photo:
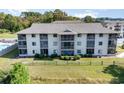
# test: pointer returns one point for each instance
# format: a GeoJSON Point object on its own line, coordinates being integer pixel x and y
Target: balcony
{"type": "Point", "coordinates": [67, 38]}
{"type": "Point", "coordinates": [21, 37]}
{"type": "Point", "coordinates": [67, 47]}
{"type": "Point", "coordinates": [90, 36]}
{"type": "Point", "coordinates": [112, 36]}
{"type": "Point", "coordinates": [43, 44]}
{"type": "Point", "coordinates": [43, 37]}
{"type": "Point", "coordinates": [22, 46]}
{"type": "Point", "coordinates": [112, 46]}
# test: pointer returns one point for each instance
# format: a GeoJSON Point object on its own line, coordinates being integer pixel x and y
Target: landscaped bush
{"type": "Point", "coordinates": [62, 57]}
{"type": "Point", "coordinates": [41, 56]}
{"type": "Point", "coordinates": [54, 56]}
{"type": "Point", "coordinates": [67, 58]}
{"type": "Point", "coordinates": [37, 56]}
{"type": "Point", "coordinates": [77, 57]}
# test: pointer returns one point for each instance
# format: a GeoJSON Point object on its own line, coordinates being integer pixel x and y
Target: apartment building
{"type": "Point", "coordinates": [67, 39]}
{"type": "Point", "coordinates": [115, 25]}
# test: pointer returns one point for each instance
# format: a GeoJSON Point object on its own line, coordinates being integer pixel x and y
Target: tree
{"type": "Point", "coordinates": [59, 15]}
{"type": "Point", "coordinates": [88, 19]}
{"type": "Point", "coordinates": [19, 74]}
{"type": "Point", "coordinates": [10, 23]}
{"type": "Point", "coordinates": [48, 16]}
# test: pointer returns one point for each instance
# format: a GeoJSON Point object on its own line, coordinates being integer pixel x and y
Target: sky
{"type": "Point", "coordinates": [113, 13]}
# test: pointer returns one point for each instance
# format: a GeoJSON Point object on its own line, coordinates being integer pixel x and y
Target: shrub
{"type": "Point", "coordinates": [89, 55]}
{"type": "Point", "coordinates": [4, 31]}
{"type": "Point", "coordinates": [41, 56]}
{"type": "Point", "coordinates": [77, 57]}
{"type": "Point", "coordinates": [37, 56]}
{"type": "Point", "coordinates": [62, 57]}
{"type": "Point", "coordinates": [122, 46]}
{"type": "Point", "coordinates": [19, 74]}
{"type": "Point", "coordinates": [70, 58]}
{"type": "Point", "coordinates": [81, 55]}
{"type": "Point", "coordinates": [85, 55]}
{"type": "Point", "coordinates": [54, 55]}
{"type": "Point", "coordinates": [67, 58]}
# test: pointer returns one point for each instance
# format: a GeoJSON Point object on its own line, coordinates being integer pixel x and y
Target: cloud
{"type": "Point", "coordinates": [87, 13]}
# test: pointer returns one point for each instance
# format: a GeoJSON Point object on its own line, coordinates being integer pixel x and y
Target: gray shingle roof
{"type": "Point", "coordinates": [67, 22]}
{"type": "Point", "coordinates": [49, 28]}
{"type": "Point", "coordinates": [114, 22]}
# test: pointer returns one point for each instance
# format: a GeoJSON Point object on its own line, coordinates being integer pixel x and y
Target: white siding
{"type": "Point", "coordinates": [51, 47]}
{"type": "Point", "coordinates": [30, 48]}
{"type": "Point", "coordinates": [81, 39]}
{"type": "Point", "coordinates": [102, 47]}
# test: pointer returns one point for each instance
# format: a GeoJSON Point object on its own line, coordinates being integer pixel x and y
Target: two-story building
{"type": "Point", "coordinates": [67, 38]}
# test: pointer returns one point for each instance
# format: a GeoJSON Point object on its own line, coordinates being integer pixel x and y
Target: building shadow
{"type": "Point", "coordinates": [117, 72]}
{"type": "Point", "coordinates": [11, 55]}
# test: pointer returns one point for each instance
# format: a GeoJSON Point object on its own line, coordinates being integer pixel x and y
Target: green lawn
{"type": "Point", "coordinates": [47, 73]}
{"type": "Point", "coordinates": [8, 35]}
{"type": "Point", "coordinates": [68, 74]}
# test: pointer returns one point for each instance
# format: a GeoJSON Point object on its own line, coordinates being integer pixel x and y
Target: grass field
{"type": "Point", "coordinates": [61, 73]}
{"type": "Point", "coordinates": [68, 74]}
{"type": "Point", "coordinates": [7, 35]}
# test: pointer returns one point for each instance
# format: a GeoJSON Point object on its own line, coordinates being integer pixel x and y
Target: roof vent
{"type": "Point", "coordinates": [67, 31]}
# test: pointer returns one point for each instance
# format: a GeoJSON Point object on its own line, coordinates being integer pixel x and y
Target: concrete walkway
{"type": "Point", "coordinates": [121, 55]}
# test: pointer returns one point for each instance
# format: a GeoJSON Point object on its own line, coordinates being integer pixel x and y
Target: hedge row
{"type": "Point", "coordinates": [76, 57]}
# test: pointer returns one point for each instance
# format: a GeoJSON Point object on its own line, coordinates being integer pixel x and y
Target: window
{"type": "Point", "coordinates": [54, 35]}
{"type": "Point", "coordinates": [90, 51]}
{"type": "Point", "coordinates": [79, 43]}
{"type": "Point", "coordinates": [67, 52]}
{"type": "Point", "coordinates": [33, 43]}
{"type": "Point", "coordinates": [33, 35]}
{"type": "Point", "coordinates": [90, 36]}
{"type": "Point", "coordinates": [100, 43]}
{"type": "Point", "coordinates": [100, 35]}
{"type": "Point", "coordinates": [22, 43]}
{"type": "Point", "coordinates": [22, 37]}
{"type": "Point", "coordinates": [79, 35]}
{"type": "Point", "coordinates": [44, 52]}
{"type": "Point", "coordinates": [44, 44]}
{"type": "Point", "coordinates": [67, 45]}
{"type": "Point", "coordinates": [79, 51]}
{"type": "Point", "coordinates": [43, 36]}
{"type": "Point", "coordinates": [67, 37]}
{"type": "Point", "coordinates": [54, 43]}
{"type": "Point", "coordinates": [22, 51]}
{"type": "Point", "coordinates": [90, 43]}
{"type": "Point", "coordinates": [33, 51]}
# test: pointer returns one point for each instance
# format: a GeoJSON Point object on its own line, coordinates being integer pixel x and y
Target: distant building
{"type": "Point", "coordinates": [69, 38]}
{"type": "Point", "coordinates": [115, 25]}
